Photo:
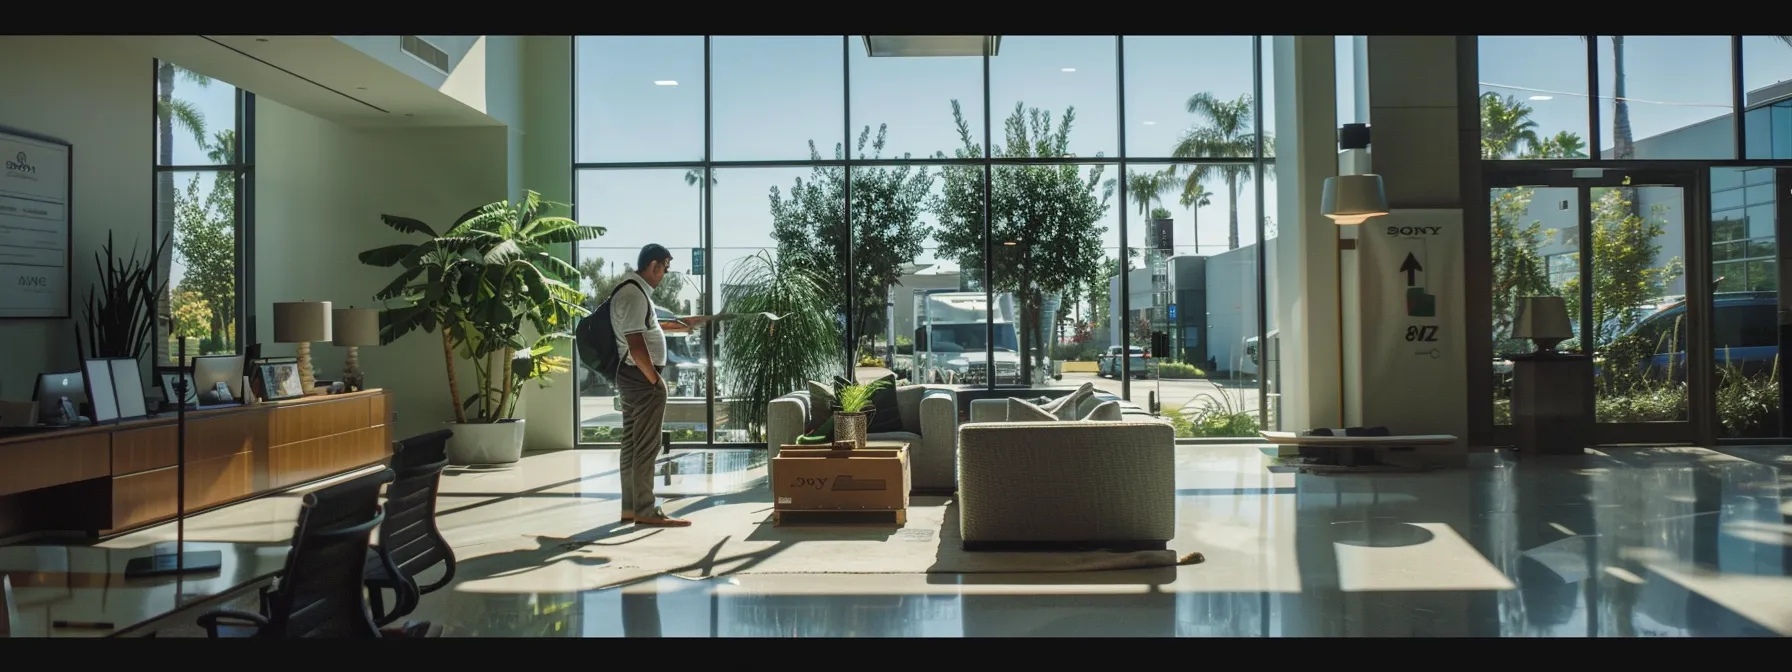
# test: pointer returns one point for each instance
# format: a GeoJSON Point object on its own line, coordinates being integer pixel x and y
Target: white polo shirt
{"type": "Point", "coordinates": [630, 313]}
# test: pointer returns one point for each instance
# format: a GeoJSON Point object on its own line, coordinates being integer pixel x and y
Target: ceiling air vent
{"type": "Point", "coordinates": [424, 51]}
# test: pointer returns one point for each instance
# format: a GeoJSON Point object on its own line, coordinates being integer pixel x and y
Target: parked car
{"type": "Point", "coordinates": [1108, 365]}
{"type": "Point", "coordinates": [1745, 333]}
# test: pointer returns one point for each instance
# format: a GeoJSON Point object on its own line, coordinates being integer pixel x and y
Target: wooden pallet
{"type": "Point", "coordinates": [840, 517]}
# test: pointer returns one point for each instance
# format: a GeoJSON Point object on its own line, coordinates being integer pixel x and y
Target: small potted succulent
{"type": "Point", "coordinates": [854, 416]}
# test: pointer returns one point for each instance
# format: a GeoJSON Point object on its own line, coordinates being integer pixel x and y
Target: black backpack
{"type": "Point", "coordinates": [597, 336]}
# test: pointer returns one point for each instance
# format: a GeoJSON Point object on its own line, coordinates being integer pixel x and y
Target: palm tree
{"type": "Point", "coordinates": [170, 113]}
{"type": "Point", "coordinates": [1148, 188]}
{"type": "Point", "coordinates": [1506, 127]}
{"type": "Point", "coordinates": [1194, 197]}
{"type": "Point", "coordinates": [1226, 131]}
{"type": "Point", "coordinates": [1623, 144]}
{"type": "Point", "coordinates": [1562, 145]}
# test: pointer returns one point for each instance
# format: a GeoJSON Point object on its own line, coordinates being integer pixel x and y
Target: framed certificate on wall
{"type": "Point", "coordinates": [36, 177]}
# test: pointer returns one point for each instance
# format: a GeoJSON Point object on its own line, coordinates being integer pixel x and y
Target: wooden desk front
{"type": "Point", "coordinates": [112, 478]}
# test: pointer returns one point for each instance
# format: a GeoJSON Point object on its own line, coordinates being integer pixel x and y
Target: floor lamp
{"type": "Point", "coordinates": [180, 561]}
{"type": "Point", "coordinates": [1350, 200]}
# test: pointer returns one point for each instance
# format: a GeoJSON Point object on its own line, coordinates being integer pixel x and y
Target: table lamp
{"type": "Point", "coordinates": [354, 327]}
{"type": "Point", "coordinates": [1544, 320]}
{"type": "Point", "coordinates": [304, 323]}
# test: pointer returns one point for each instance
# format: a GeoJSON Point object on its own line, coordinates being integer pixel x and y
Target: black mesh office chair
{"type": "Point", "coordinates": [409, 541]}
{"type": "Point", "coordinates": [320, 593]}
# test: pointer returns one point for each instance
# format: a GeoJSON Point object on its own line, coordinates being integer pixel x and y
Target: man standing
{"type": "Point", "coordinates": [642, 340]}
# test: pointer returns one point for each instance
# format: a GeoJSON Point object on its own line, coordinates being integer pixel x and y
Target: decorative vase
{"type": "Point", "coordinates": [851, 427]}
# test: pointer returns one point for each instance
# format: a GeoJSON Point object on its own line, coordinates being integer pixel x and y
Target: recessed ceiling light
{"type": "Point", "coordinates": [1067, 70]}
{"type": "Point", "coordinates": [1150, 123]}
{"type": "Point", "coordinates": [1543, 97]}
{"type": "Point", "coordinates": [665, 82]}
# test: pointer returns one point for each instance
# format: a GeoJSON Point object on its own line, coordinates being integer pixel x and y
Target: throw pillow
{"type": "Point", "coordinates": [1021, 411]}
{"type": "Point", "coordinates": [1107, 411]}
{"type": "Point", "coordinates": [1065, 407]}
{"type": "Point", "coordinates": [821, 414]}
{"type": "Point", "coordinates": [886, 415]}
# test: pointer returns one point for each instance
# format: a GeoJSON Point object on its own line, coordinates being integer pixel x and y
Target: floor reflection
{"type": "Point", "coordinates": [1639, 542]}
{"type": "Point", "coordinates": [1626, 543]}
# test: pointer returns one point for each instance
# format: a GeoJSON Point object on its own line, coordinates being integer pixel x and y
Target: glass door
{"type": "Point", "coordinates": [1749, 314]}
{"type": "Point", "coordinates": [1615, 245]}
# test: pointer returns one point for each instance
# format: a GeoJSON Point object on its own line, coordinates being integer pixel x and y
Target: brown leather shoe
{"type": "Point", "coordinates": [662, 522]}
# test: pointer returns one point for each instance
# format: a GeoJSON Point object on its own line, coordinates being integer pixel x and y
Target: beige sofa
{"type": "Point", "coordinates": [929, 425]}
{"type": "Point", "coordinates": [1054, 484]}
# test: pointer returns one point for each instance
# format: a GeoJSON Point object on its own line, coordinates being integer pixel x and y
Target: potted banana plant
{"type": "Point", "coordinates": [482, 284]}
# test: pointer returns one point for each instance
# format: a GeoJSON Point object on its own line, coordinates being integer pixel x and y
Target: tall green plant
{"type": "Point", "coordinates": [481, 283]}
{"type": "Point", "coordinates": [767, 359]}
{"type": "Point", "coordinates": [121, 305]}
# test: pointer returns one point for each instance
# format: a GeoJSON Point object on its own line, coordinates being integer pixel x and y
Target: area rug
{"type": "Point", "coordinates": [734, 534]}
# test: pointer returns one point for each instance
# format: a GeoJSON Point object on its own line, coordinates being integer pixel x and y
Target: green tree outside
{"type": "Point", "coordinates": [1044, 219]}
{"type": "Point", "coordinates": [809, 226]}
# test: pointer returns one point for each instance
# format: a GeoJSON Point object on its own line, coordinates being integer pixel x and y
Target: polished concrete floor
{"type": "Point", "coordinates": [1628, 542]}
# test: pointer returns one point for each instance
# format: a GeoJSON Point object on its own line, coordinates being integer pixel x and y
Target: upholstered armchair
{"type": "Point", "coordinates": [929, 425]}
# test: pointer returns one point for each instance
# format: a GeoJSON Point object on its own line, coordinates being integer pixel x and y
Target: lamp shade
{"type": "Point", "coordinates": [355, 326]}
{"type": "Point", "coordinates": [1353, 199]}
{"type": "Point", "coordinates": [1542, 318]}
{"type": "Point", "coordinates": [302, 322]}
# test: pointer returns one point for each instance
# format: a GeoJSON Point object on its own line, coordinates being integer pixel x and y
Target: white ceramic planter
{"type": "Point", "coordinates": [486, 443]}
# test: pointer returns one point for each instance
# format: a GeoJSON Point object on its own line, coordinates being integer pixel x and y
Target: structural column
{"type": "Point", "coordinates": [1305, 260]}
{"type": "Point", "coordinates": [1411, 332]}
{"type": "Point", "coordinates": [538, 159]}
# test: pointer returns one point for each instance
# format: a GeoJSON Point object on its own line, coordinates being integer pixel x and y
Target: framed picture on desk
{"type": "Point", "coordinates": [168, 376]}
{"type": "Point", "coordinates": [278, 379]}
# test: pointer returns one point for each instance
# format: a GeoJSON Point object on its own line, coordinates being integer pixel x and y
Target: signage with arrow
{"type": "Point", "coordinates": [1419, 303]}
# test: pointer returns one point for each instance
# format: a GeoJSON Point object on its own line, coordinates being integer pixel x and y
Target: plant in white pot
{"type": "Point", "coordinates": [854, 417]}
{"type": "Point", "coordinates": [481, 284]}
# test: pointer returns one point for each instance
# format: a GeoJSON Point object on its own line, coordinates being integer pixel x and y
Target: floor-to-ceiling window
{"type": "Point", "coordinates": [1624, 184]}
{"type": "Point", "coordinates": [204, 171]}
{"type": "Point", "coordinates": [990, 212]}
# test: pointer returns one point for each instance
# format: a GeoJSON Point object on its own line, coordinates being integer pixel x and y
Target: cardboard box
{"type": "Point", "coordinates": [824, 479]}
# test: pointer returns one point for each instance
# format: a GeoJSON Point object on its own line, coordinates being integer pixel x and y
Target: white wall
{"type": "Point", "coordinates": [320, 189]}
{"type": "Point", "coordinates": [484, 71]}
{"type": "Point", "coordinates": [96, 96]}
{"type": "Point", "coordinates": [1232, 303]}
{"type": "Point", "coordinates": [1138, 285]}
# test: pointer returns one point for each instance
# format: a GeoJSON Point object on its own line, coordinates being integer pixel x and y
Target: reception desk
{"type": "Point", "coordinates": [113, 478]}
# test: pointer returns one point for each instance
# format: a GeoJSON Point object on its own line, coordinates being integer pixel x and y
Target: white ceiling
{"type": "Point", "coordinates": [315, 73]}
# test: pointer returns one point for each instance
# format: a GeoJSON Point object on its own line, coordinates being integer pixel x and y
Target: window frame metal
{"type": "Point", "coordinates": [1121, 160]}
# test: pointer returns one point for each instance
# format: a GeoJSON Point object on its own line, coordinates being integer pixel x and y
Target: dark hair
{"type": "Point", "coordinates": [652, 253]}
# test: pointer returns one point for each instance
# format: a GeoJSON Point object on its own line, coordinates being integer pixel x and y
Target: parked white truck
{"type": "Point", "coordinates": [951, 335]}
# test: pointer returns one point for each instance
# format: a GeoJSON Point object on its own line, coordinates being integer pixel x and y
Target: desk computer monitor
{"type": "Point", "coordinates": [98, 374]}
{"type": "Point", "coordinates": [127, 383]}
{"type": "Point", "coordinates": [52, 388]}
{"type": "Point", "coordinates": [211, 372]}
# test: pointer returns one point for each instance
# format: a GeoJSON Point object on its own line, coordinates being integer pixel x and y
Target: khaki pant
{"type": "Point", "coordinates": [643, 414]}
